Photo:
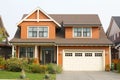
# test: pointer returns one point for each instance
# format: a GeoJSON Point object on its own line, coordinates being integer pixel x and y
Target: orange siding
{"type": "Point", "coordinates": [33, 16]}
{"type": "Point", "coordinates": [61, 48]}
{"type": "Point", "coordinates": [68, 32]}
{"type": "Point", "coordinates": [95, 33]}
{"type": "Point", "coordinates": [51, 25]}
{"type": "Point", "coordinates": [42, 16]}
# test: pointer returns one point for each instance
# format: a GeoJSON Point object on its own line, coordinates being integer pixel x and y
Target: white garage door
{"type": "Point", "coordinates": [83, 61]}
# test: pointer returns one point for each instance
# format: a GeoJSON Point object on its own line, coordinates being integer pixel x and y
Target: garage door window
{"type": "Point", "coordinates": [88, 54]}
{"type": "Point", "coordinates": [78, 54]}
{"type": "Point", "coordinates": [68, 54]}
{"type": "Point", "coordinates": [98, 54]}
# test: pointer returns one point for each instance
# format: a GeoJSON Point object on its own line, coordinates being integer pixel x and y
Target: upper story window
{"type": "Point", "coordinates": [82, 32]}
{"type": "Point", "coordinates": [38, 32]}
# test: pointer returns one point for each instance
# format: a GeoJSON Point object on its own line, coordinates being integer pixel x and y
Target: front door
{"type": "Point", "coordinates": [47, 56]}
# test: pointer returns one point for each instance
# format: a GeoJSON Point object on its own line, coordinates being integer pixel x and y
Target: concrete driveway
{"type": "Point", "coordinates": [88, 76]}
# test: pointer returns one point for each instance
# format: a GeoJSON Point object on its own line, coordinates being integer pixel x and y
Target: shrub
{"type": "Point", "coordinates": [36, 68]}
{"type": "Point", "coordinates": [2, 61]}
{"type": "Point", "coordinates": [118, 67]}
{"type": "Point", "coordinates": [13, 64]}
{"type": "Point", "coordinates": [30, 60]}
{"type": "Point", "coordinates": [53, 68]}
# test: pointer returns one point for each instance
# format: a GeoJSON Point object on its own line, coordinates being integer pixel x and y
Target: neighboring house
{"type": "Point", "coordinates": [5, 48]}
{"type": "Point", "coordinates": [77, 42]}
{"type": "Point", "coordinates": [113, 34]}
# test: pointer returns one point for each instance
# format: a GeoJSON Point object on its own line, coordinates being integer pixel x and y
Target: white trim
{"type": "Point", "coordinates": [82, 32]}
{"type": "Point", "coordinates": [37, 20]}
{"type": "Point", "coordinates": [37, 15]}
{"type": "Point", "coordinates": [57, 55]}
{"type": "Point", "coordinates": [42, 12]}
{"type": "Point", "coordinates": [13, 51]}
{"type": "Point", "coordinates": [37, 32]}
{"type": "Point", "coordinates": [87, 50]}
{"type": "Point", "coordinates": [110, 55]}
{"type": "Point", "coordinates": [36, 52]}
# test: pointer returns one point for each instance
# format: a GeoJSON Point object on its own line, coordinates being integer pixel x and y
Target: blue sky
{"type": "Point", "coordinates": [12, 10]}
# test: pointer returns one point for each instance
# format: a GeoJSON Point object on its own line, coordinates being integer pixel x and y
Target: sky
{"type": "Point", "coordinates": [13, 10]}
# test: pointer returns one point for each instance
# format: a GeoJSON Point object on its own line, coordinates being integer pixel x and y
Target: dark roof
{"type": "Point", "coordinates": [60, 40]}
{"type": "Point", "coordinates": [2, 26]}
{"type": "Point", "coordinates": [75, 19]}
{"type": "Point", "coordinates": [117, 20]}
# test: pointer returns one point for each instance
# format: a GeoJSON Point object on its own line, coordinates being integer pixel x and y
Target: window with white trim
{"type": "Point", "coordinates": [26, 52]}
{"type": "Point", "coordinates": [38, 32]}
{"type": "Point", "coordinates": [82, 32]}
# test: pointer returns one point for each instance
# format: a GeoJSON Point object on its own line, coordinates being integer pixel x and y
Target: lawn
{"type": "Point", "coordinates": [15, 75]}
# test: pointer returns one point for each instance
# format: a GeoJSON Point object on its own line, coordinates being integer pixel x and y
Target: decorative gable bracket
{"type": "Point", "coordinates": [37, 19]}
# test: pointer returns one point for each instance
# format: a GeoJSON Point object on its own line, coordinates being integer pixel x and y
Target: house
{"type": "Point", "coordinates": [5, 48]}
{"type": "Point", "coordinates": [76, 42]}
{"type": "Point", "coordinates": [113, 34]}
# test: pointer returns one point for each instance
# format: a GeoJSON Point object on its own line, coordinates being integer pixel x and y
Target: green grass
{"type": "Point", "coordinates": [16, 75]}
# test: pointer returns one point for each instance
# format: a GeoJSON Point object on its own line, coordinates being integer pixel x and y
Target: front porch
{"type": "Point", "coordinates": [43, 54]}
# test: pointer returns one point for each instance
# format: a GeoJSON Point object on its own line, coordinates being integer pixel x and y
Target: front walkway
{"type": "Point", "coordinates": [88, 76]}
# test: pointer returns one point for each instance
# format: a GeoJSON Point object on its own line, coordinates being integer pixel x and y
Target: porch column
{"type": "Point", "coordinates": [36, 54]}
{"type": "Point", "coordinates": [13, 52]}
{"type": "Point", "coordinates": [57, 54]}
{"type": "Point", "coordinates": [119, 52]}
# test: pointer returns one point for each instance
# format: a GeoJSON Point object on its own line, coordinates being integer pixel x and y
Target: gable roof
{"type": "Point", "coordinates": [38, 9]}
{"type": "Point", "coordinates": [117, 21]}
{"type": "Point", "coordinates": [77, 19]}
{"type": "Point", "coordinates": [2, 26]}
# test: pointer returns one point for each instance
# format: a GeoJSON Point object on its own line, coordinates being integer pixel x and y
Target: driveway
{"type": "Point", "coordinates": [88, 76]}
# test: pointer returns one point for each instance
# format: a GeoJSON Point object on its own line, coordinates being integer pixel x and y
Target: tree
{"type": "Point", "coordinates": [2, 34]}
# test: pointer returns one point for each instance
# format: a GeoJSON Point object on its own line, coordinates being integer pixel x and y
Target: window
{"type": "Point", "coordinates": [77, 32]}
{"type": "Point", "coordinates": [68, 54]}
{"type": "Point", "coordinates": [38, 32]}
{"type": "Point", "coordinates": [26, 52]}
{"type": "Point", "coordinates": [86, 32]}
{"type": "Point", "coordinates": [43, 32]}
{"type": "Point", "coordinates": [82, 32]}
{"type": "Point", "coordinates": [78, 54]}
{"type": "Point", "coordinates": [88, 54]}
{"type": "Point", "coordinates": [32, 32]}
{"type": "Point", "coordinates": [98, 54]}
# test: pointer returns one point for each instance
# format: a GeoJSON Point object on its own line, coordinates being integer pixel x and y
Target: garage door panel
{"type": "Point", "coordinates": [83, 61]}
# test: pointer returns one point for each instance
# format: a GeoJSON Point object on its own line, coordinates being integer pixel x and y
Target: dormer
{"type": "Point", "coordinates": [38, 25]}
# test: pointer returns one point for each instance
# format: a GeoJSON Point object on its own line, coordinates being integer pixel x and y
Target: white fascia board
{"type": "Point", "coordinates": [42, 12]}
